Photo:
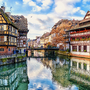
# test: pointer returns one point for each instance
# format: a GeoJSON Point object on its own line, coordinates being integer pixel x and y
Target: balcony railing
{"type": "Point", "coordinates": [8, 32]}
{"type": "Point", "coordinates": [6, 43]}
{"type": "Point", "coordinates": [79, 42]}
{"type": "Point", "coordinates": [80, 34]}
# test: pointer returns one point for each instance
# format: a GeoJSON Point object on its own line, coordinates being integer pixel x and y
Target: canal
{"type": "Point", "coordinates": [46, 73]}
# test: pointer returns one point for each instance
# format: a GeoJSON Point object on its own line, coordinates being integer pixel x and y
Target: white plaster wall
{"type": "Point", "coordinates": [71, 48]}
{"type": "Point", "coordinates": [81, 53]}
{"type": "Point", "coordinates": [88, 48]}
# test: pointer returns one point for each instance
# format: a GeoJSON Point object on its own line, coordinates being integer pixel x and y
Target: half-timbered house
{"type": "Point", "coordinates": [21, 23]}
{"type": "Point", "coordinates": [8, 33]}
{"type": "Point", "coordinates": [80, 37]}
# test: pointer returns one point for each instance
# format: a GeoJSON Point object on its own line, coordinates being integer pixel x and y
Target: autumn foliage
{"type": "Point", "coordinates": [59, 34]}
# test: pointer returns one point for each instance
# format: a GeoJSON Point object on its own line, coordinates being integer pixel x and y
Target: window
{"type": "Point", "coordinates": [79, 48]}
{"type": "Point", "coordinates": [5, 38]}
{"type": "Point", "coordinates": [5, 27]}
{"type": "Point", "coordinates": [1, 38]}
{"type": "Point", "coordinates": [1, 27]}
{"type": "Point", "coordinates": [12, 29]}
{"type": "Point", "coordinates": [85, 48]}
{"type": "Point", "coordinates": [74, 63]}
{"type": "Point", "coordinates": [1, 49]}
{"type": "Point", "coordinates": [15, 40]}
{"type": "Point", "coordinates": [85, 66]}
{"type": "Point", "coordinates": [80, 65]}
{"type": "Point", "coordinates": [21, 40]}
{"type": "Point", "coordinates": [8, 49]}
{"type": "Point", "coordinates": [24, 42]}
{"type": "Point", "coordinates": [74, 48]}
{"type": "Point", "coordinates": [16, 31]}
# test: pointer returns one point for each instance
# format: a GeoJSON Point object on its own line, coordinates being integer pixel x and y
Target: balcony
{"type": "Point", "coordinates": [6, 43]}
{"type": "Point", "coordinates": [75, 42]}
{"type": "Point", "coordinates": [8, 32]}
{"type": "Point", "coordinates": [79, 34]}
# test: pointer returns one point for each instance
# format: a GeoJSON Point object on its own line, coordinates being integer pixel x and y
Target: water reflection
{"type": "Point", "coordinates": [58, 73]}
{"type": "Point", "coordinates": [46, 73]}
{"type": "Point", "coordinates": [13, 77]}
{"type": "Point", "coordinates": [40, 77]}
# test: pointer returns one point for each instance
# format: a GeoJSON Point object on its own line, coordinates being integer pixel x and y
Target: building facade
{"type": "Point", "coordinates": [8, 33]}
{"type": "Point", "coordinates": [59, 31]}
{"type": "Point", "coordinates": [21, 23]}
{"type": "Point", "coordinates": [80, 37]}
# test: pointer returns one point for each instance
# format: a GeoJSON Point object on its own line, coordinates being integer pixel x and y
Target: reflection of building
{"type": "Point", "coordinates": [80, 70]}
{"type": "Point", "coordinates": [14, 77]}
{"type": "Point", "coordinates": [81, 64]}
{"type": "Point", "coordinates": [8, 33]}
{"type": "Point", "coordinates": [9, 80]}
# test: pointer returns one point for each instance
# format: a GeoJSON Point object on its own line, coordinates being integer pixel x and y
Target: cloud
{"type": "Point", "coordinates": [85, 1]}
{"type": "Point", "coordinates": [66, 7]}
{"type": "Point", "coordinates": [25, 1]}
{"type": "Point", "coordinates": [17, 3]}
{"type": "Point", "coordinates": [41, 23]}
{"type": "Point", "coordinates": [36, 69]}
{"type": "Point", "coordinates": [82, 12]}
{"type": "Point", "coordinates": [45, 4]}
{"type": "Point", "coordinates": [31, 3]}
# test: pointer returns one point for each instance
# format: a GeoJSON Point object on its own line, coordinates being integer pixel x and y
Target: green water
{"type": "Point", "coordinates": [46, 73]}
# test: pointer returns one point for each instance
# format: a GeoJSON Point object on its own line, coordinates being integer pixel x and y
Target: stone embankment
{"type": "Point", "coordinates": [9, 59]}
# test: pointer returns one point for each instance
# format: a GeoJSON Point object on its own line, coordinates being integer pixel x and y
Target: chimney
{"type": "Point", "coordinates": [3, 8]}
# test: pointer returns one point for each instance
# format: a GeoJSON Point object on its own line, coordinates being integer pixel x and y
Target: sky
{"type": "Point", "coordinates": [43, 14]}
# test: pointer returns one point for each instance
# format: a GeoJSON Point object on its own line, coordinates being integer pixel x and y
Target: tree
{"type": "Point", "coordinates": [59, 34]}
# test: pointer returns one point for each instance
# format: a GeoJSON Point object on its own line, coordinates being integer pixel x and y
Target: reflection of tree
{"type": "Point", "coordinates": [61, 75]}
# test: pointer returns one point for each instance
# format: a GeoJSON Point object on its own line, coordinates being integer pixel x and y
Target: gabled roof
{"type": "Point", "coordinates": [86, 18]}
{"type": "Point", "coordinates": [45, 35]}
{"type": "Point", "coordinates": [80, 27]}
{"type": "Point", "coordinates": [20, 22]}
{"type": "Point", "coordinates": [7, 18]}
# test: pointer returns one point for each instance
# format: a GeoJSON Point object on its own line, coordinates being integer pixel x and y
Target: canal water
{"type": "Point", "coordinates": [39, 72]}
